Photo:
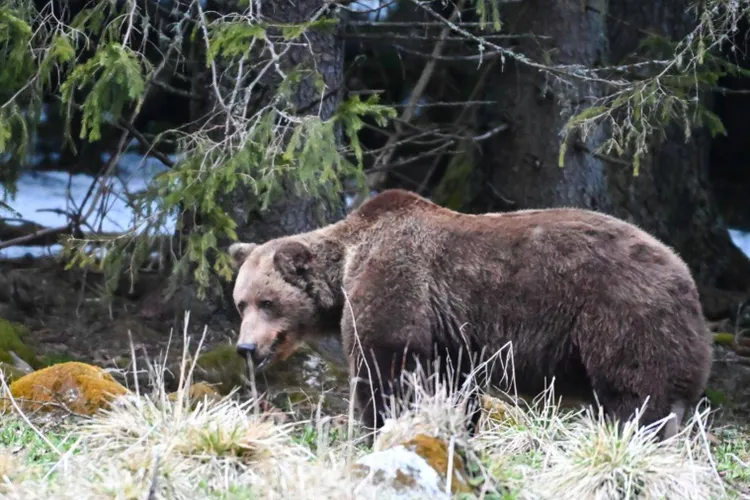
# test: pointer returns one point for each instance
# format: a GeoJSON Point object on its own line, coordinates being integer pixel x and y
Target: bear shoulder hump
{"type": "Point", "coordinates": [391, 201]}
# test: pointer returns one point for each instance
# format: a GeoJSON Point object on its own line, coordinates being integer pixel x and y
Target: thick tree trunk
{"type": "Point", "coordinates": [524, 161]}
{"type": "Point", "coordinates": [671, 198]}
{"type": "Point", "coordinates": [288, 213]}
{"type": "Point", "coordinates": [323, 52]}
{"type": "Point", "coordinates": [318, 50]}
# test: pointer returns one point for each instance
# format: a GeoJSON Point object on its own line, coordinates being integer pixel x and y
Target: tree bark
{"type": "Point", "coordinates": [318, 50]}
{"type": "Point", "coordinates": [524, 161]}
{"type": "Point", "coordinates": [671, 198]}
{"type": "Point", "coordinates": [288, 213]}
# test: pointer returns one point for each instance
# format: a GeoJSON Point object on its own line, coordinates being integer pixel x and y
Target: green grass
{"type": "Point", "coordinates": [733, 457]}
{"type": "Point", "coordinates": [17, 437]}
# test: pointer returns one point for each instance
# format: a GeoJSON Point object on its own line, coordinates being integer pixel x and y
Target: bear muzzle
{"type": "Point", "coordinates": [257, 357]}
{"type": "Point", "coordinates": [245, 350]}
{"type": "Point", "coordinates": [249, 352]}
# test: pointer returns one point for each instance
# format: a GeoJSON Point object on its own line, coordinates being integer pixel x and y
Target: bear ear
{"type": "Point", "coordinates": [292, 259]}
{"type": "Point", "coordinates": [239, 252]}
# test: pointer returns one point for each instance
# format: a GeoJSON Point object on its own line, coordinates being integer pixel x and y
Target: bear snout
{"type": "Point", "coordinates": [249, 352]}
{"type": "Point", "coordinates": [245, 350]}
{"type": "Point", "coordinates": [255, 359]}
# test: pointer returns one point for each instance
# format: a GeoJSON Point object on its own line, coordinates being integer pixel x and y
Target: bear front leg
{"type": "Point", "coordinates": [385, 329]}
{"type": "Point", "coordinates": [377, 376]}
{"type": "Point", "coordinates": [379, 350]}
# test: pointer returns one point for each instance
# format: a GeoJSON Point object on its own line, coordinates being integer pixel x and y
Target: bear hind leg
{"type": "Point", "coordinates": [620, 406]}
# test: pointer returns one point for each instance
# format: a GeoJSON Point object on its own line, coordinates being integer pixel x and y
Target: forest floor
{"type": "Point", "coordinates": [66, 320]}
{"type": "Point", "coordinates": [538, 451]}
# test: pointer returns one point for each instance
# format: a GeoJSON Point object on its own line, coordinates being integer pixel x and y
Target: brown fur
{"type": "Point", "coordinates": [586, 298]}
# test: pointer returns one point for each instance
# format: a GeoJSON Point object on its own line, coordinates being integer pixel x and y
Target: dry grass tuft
{"type": "Point", "coordinates": [592, 459]}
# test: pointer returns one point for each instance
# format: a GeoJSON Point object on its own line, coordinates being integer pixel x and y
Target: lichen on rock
{"type": "Point", "coordinates": [77, 387]}
{"type": "Point", "coordinates": [418, 465]}
{"type": "Point", "coordinates": [437, 453]}
{"type": "Point", "coordinates": [403, 472]}
{"type": "Point", "coordinates": [494, 409]}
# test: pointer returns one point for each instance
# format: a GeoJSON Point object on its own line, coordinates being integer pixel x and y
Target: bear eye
{"type": "Point", "coordinates": [265, 304]}
{"type": "Point", "coordinates": [241, 305]}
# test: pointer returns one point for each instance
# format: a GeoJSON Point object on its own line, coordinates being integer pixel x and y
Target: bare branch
{"type": "Point", "coordinates": [424, 38]}
{"type": "Point", "coordinates": [475, 57]}
{"type": "Point", "coordinates": [175, 90]}
{"type": "Point", "coordinates": [417, 91]}
{"type": "Point", "coordinates": [43, 236]}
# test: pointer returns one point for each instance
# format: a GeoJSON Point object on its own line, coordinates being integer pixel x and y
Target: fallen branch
{"type": "Point", "coordinates": [31, 234]}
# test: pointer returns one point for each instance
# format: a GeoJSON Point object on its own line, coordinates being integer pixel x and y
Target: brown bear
{"type": "Point", "coordinates": [593, 301]}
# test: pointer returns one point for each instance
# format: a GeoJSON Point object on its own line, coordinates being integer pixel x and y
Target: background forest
{"type": "Point", "coordinates": [138, 138]}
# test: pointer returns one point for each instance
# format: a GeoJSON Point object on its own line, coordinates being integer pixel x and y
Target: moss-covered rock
{"type": "Point", "coordinates": [221, 367]}
{"type": "Point", "coordinates": [436, 453]}
{"type": "Point", "coordinates": [77, 387]}
{"type": "Point", "coordinates": [12, 339]}
{"type": "Point", "coordinates": [304, 369]}
{"type": "Point", "coordinates": [494, 409]}
{"type": "Point", "coordinates": [302, 382]}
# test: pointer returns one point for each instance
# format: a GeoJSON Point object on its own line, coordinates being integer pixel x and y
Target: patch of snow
{"type": "Point", "coordinates": [376, 9]}
{"type": "Point", "coordinates": [44, 197]}
{"type": "Point", "coordinates": [741, 239]}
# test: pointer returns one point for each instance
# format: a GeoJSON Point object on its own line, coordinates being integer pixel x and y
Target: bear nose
{"type": "Point", "coordinates": [246, 350]}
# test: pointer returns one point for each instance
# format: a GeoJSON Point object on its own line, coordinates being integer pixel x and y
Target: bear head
{"type": "Point", "coordinates": [283, 295]}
